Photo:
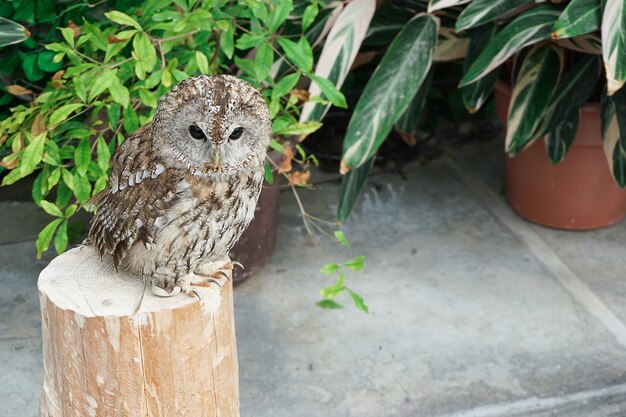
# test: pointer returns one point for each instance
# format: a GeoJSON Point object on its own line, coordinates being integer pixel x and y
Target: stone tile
{"type": "Point", "coordinates": [19, 300]}
{"type": "Point", "coordinates": [20, 377]}
{"type": "Point", "coordinates": [462, 315]}
{"type": "Point", "coordinates": [21, 221]}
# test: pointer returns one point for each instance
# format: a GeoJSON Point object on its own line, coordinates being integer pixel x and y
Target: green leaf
{"type": "Point", "coordinates": [285, 85]}
{"type": "Point", "coordinates": [268, 174]}
{"type": "Point", "coordinates": [341, 238]}
{"type": "Point", "coordinates": [145, 54]}
{"type": "Point", "coordinates": [476, 94]}
{"type": "Point", "coordinates": [329, 91]}
{"type": "Point", "coordinates": [63, 113]}
{"type": "Point", "coordinates": [334, 290]}
{"type": "Point", "coordinates": [309, 15]}
{"type": "Point", "coordinates": [264, 60]}
{"type": "Point", "coordinates": [82, 188]}
{"type": "Point", "coordinates": [434, 5]}
{"type": "Point", "coordinates": [532, 92]}
{"type": "Point", "coordinates": [300, 53]}
{"type": "Point", "coordinates": [148, 98]}
{"type": "Point", "coordinates": [329, 269]}
{"type": "Point", "coordinates": [45, 61]}
{"type": "Point", "coordinates": [202, 62]}
{"type": "Point", "coordinates": [130, 120]}
{"type": "Point", "coordinates": [104, 154]}
{"type": "Point", "coordinates": [60, 240]}
{"type": "Point", "coordinates": [352, 185]}
{"type": "Point", "coordinates": [479, 12]}
{"type": "Point", "coordinates": [32, 153]}
{"type": "Point", "coordinates": [274, 144]}
{"type": "Point", "coordinates": [614, 134]}
{"type": "Point", "coordinates": [227, 43]}
{"type": "Point", "coordinates": [68, 35]}
{"type": "Point", "coordinates": [68, 179]}
{"type": "Point", "coordinates": [561, 117]}
{"type": "Point", "coordinates": [119, 93]}
{"type": "Point", "coordinates": [614, 43]}
{"type": "Point", "coordinates": [300, 128]}
{"type": "Point", "coordinates": [356, 263]}
{"type": "Point", "coordinates": [12, 32]}
{"type": "Point", "coordinates": [122, 19]}
{"type": "Point", "coordinates": [530, 27]}
{"type": "Point", "coordinates": [358, 301]}
{"type": "Point", "coordinates": [63, 194]}
{"type": "Point", "coordinates": [578, 18]}
{"type": "Point", "coordinates": [45, 236]}
{"type": "Point", "coordinates": [102, 82]}
{"type": "Point", "coordinates": [339, 52]}
{"type": "Point", "coordinates": [331, 304]}
{"type": "Point", "coordinates": [390, 89]}
{"type": "Point", "coordinates": [279, 13]}
{"type": "Point", "coordinates": [51, 209]}
{"type": "Point", "coordinates": [70, 211]}
{"type": "Point", "coordinates": [82, 156]}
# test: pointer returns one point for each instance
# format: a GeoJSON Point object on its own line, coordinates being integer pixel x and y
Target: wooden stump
{"type": "Point", "coordinates": [110, 350]}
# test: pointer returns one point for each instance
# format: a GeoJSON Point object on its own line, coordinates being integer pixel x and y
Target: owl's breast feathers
{"type": "Point", "coordinates": [144, 197]}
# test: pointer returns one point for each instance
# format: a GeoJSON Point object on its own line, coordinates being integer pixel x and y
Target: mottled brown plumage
{"type": "Point", "coordinates": [177, 202]}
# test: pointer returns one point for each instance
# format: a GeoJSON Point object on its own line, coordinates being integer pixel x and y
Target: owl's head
{"type": "Point", "coordinates": [212, 126]}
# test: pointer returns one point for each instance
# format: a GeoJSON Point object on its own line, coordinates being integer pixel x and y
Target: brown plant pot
{"type": "Point", "coordinates": [256, 245]}
{"type": "Point", "coordinates": [577, 193]}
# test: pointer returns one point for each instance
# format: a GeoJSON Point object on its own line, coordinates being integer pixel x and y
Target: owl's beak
{"type": "Point", "coordinates": [216, 159]}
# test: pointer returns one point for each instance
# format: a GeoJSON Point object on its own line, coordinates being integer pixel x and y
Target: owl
{"type": "Point", "coordinates": [183, 188]}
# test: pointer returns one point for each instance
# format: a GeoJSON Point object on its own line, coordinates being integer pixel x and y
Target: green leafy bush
{"type": "Point", "coordinates": [115, 69]}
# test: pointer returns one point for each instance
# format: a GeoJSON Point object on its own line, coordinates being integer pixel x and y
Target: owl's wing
{"type": "Point", "coordinates": [140, 191]}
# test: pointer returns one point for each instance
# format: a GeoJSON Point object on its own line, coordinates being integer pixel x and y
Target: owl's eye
{"type": "Point", "coordinates": [236, 133]}
{"type": "Point", "coordinates": [196, 132]}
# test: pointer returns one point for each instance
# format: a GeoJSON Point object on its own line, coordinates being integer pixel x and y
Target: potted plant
{"type": "Point", "coordinates": [551, 53]}
{"type": "Point", "coordinates": [557, 102]}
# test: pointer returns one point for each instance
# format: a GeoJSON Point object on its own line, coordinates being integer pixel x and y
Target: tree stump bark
{"type": "Point", "coordinates": [113, 349]}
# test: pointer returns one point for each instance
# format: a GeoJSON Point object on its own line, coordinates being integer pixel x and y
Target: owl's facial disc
{"type": "Point", "coordinates": [216, 125]}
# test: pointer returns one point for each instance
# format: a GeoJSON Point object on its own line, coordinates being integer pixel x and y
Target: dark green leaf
{"type": "Point", "coordinates": [352, 186]}
{"type": "Point", "coordinates": [331, 304]}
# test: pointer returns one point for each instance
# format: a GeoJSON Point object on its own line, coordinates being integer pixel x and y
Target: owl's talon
{"type": "Point", "coordinates": [160, 292]}
{"type": "Point", "coordinates": [237, 263]}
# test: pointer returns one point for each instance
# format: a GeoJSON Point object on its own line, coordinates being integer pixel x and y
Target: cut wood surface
{"type": "Point", "coordinates": [112, 349]}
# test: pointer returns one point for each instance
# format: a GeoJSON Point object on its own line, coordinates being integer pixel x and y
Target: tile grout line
{"type": "Point", "coordinates": [539, 248]}
{"type": "Point", "coordinates": [534, 404]}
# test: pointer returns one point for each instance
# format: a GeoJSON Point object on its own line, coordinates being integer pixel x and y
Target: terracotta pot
{"type": "Point", "coordinates": [577, 193]}
{"type": "Point", "coordinates": [255, 247]}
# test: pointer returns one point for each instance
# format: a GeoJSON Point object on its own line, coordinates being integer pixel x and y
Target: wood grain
{"type": "Point", "coordinates": [111, 350]}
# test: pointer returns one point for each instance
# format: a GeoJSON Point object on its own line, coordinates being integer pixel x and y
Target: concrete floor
{"type": "Point", "coordinates": [474, 312]}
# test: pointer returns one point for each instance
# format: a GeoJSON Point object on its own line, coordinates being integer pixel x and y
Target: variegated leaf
{"type": "Point", "coordinates": [579, 18]}
{"type": "Point", "coordinates": [532, 92]}
{"type": "Point", "coordinates": [352, 185]}
{"type": "Point", "coordinates": [340, 49]}
{"type": "Point", "coordinates": [530, 27]}
{"type": "Point", "coordinates": [450, 46]}
{"type": "Point", "coordinates": [588, 44]}
{"type": "Point", "coordinates": [561, 117]}
{"type": "Point", "coordinates": [614, 44]}
{"type": "Point", "coordinates": [476, 94]}
{"type": "Point", "coordinates": [442, 4]}
{"type": "Point", "coordinates": [390, 89]}
{"type": "Point", "coordinates": [409, 121]}
{"type": "Point", "coordinates": [12, 32]}
{"type": "Point", "coordinates": [479, 12]}
{"type": "Point", "coordinates": [614, 134]}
